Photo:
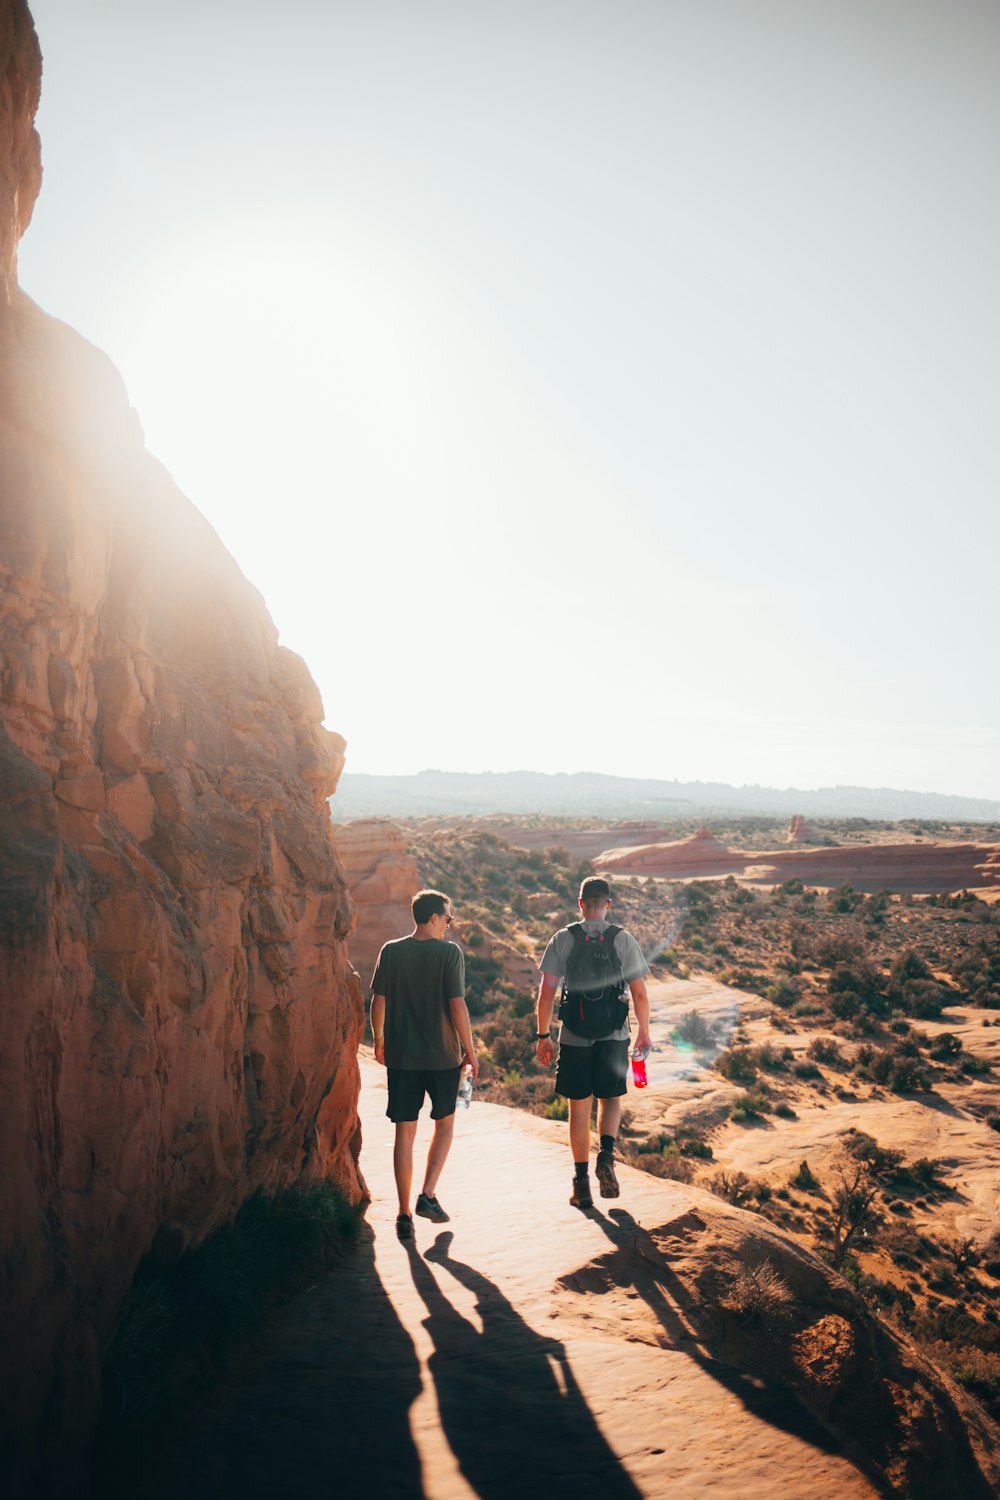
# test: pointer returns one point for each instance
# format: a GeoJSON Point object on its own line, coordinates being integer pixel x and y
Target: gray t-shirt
{"type": "Point", "coordinates": [629, 956]}
{"type": "Point", "coordinates": [418, 976]}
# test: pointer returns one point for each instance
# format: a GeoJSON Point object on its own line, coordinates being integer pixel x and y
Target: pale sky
{"type": "Point", "coordinates": [586, 386]}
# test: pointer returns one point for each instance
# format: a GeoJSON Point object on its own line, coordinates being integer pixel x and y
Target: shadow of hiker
{"type": "Point", "coordinates": [510, 1407]}
{"type": "Point", "coordinates": [678, 1315]}
{"type": "Point", "coordinates": [316, 1403]}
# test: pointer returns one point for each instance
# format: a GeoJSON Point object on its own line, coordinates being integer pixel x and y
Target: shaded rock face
{"type": "Point", "coordinates": [383, 880]}
{"type": "Point", "coordinates": [178, 1018]}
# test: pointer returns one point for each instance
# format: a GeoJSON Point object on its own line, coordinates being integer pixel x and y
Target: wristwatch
{"type": "Point", "coordinates": [543, 1036]}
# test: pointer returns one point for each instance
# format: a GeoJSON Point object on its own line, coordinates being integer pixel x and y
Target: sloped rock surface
{"type": "Point", "coordinates": [528, 1348]}
{"type": "Point", "coordinates": [178, 1021]}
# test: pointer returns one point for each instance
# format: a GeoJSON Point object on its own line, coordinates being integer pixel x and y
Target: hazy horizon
{"type": "Point", "coordinates": [660, 338]}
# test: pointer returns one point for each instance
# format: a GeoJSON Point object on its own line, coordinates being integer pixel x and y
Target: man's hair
{"type": "Point", "coordinates": [594, 890]}
{"type": "Point", "coordinates": [427, 904]}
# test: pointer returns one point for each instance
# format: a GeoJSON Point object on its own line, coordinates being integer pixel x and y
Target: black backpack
{"type": "Point", "coordinates": [593, 987]}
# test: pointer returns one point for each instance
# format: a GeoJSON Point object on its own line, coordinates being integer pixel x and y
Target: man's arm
{"type": "Point", "coordinates": [640, 1001]}
{"type": "Point", "coordinates": [462, 1024]}
{"type": "Point", "coordinates": [378, 1027]}
{"type": "Point", "coordinates": [544, 1049]}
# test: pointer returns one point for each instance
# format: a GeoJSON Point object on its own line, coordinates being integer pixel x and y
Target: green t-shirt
{"type": "Point", "coordinates": [418, 978]}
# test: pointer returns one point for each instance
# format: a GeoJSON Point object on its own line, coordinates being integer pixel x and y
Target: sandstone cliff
{"type": "Point", "coordinates": [179, 1022]}
{"type": "Point", "coordinates": [383, 878]}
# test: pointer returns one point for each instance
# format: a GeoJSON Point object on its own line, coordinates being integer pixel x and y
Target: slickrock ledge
{"type": "Point", "coordinates": [528, 1348]}
{"type": "Point", "coordinates": [179, 1022]}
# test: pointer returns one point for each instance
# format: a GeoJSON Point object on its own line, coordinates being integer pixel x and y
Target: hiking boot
{"type": "Point", "coordinates": [430, 1208]}
{"type": "Point", "coordinates": [606, 1175]}
{"type": "Point", "coordinates": [581, 1197]}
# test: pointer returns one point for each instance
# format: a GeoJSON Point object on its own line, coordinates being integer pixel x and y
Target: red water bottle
{"type": "Point", "coordinates": [639, 1068]}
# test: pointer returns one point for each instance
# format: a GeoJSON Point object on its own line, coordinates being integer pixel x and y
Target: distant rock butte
{"type": "Point", "coordinates": [179, 1021]}
{"type": "Point", "coordinates": [801, 832]}
{"type": "Point", "coordinates": [917, 868]}
{"type": "Point", "coordinates": [383, 879]}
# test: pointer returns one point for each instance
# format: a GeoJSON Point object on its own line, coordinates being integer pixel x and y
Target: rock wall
{"type": "Point", "coordinates": [383, 879]}
{"type": "Point", "coordinates": [178, 1018]}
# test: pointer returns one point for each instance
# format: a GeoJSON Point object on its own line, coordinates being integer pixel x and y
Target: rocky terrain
{"type": "Point", "coordinates": [383, 878]}
{"type": "Point", "coordinates": [664, 1344]}
{"type": "Point", "coordinates": [179, 1020]}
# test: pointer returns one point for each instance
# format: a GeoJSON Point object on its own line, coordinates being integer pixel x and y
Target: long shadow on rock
{"type": "Point", "coordinates": [315, 1404]}
{"type": "Point", "coordinates": [825, 1368]}
{"type": "Point", "coordinates": [510, 1406]}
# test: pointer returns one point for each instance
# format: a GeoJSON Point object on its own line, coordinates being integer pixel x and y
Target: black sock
{"type": "Point", "coordinates": [582, 1168]}
{"type": "Point", "coordinates": [608, 1144]}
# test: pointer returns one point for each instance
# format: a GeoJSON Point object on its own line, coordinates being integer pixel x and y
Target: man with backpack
{"type": "Point", "coordinates": [596, 962]}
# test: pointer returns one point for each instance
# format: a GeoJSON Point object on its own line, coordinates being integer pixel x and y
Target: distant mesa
{"type": "Point", "coordinates": [912, 867]}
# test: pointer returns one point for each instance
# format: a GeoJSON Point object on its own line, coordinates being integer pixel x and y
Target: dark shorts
{"type": "Point", "coordinates": [407, 1087]}
{"type": "Point", "coordinates": [600, 1070]}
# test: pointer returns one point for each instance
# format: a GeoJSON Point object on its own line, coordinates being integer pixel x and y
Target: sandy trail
{"type": "Point", "coordinates": [496, 1358]}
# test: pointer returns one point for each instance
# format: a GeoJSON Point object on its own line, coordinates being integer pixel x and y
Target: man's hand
{"type": "Point", "coordinates": [469, 1061]}
{"type": "Point", "coordinates": [380, 1050]}
{"type": "Point", "coordinates": [643, 1041]}
{"type": "Point", "coordinates": [545, 1052]}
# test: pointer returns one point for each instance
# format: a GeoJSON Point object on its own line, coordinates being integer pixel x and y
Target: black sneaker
{"type": "Point", "coordinates": [606, 1175]}
{"type": "Point", "coordinates": [430, 1208]}
{"type": "Point", "coordinates": [581, 1197]}
{"type": "Point", "coordinates": [404, 1227]}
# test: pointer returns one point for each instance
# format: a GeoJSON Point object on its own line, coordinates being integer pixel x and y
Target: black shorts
{"type": "Point", "coordinates": [600, 1070]}
{"type": "Point", "coordinates": [407, 1087]}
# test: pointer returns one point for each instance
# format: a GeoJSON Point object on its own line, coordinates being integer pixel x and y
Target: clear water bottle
{"type": "Point", "coordinates": [465, 1088]}
{"type": "Point", "coordinates": [639, 1067]}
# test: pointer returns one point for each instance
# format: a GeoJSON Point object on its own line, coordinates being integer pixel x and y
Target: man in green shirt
{"type": "Point", "coordinates": [423, 1037]}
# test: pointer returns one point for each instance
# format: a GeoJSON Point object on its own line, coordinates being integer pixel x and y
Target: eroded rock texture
{"type": "Point", "coordinates": [178, 1018]}
{"type": "Point", "coordinates": [383, 879]}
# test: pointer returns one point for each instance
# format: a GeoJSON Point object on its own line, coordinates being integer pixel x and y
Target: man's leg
{"type": "Point", "coordinates": [579, 1140]}
{"type": "Point", "coordinates": [437, 1155]}
{"type": "Point", "coordinates": [402, 1161]}
{"type": "Point", "coordinates": [579, 1128]}
{"type": "Point", "coordinates": [609, 1116]}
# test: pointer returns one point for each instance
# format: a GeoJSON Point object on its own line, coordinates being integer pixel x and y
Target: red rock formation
{"type": "Point", "coordinates": [800, 832]}
{"type": "Point", "coordinates": [179, 1023]}
{"type": "Point", "coordinates": [918, 868]}
{"type": "Point", "coordinates": [383, 878]}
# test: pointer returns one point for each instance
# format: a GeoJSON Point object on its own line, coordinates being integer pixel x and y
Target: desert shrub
{"type": "Point", "coordinates": [881, 1160]}
{"type": "Point", "coordinates": [945, 1046]}
{"type": "Point", "coordinates": [770, 1059]}
{"type": "Point", "coordinates": [825, 1050]}
{"type": "Point", "coordinates": [804, 1178]}
{"type": "Point", "coordinates": [749, 1106]}
{"type": "Point", "coordinates": [926, 1171]}
{"type": "Point", "coordinates": [674, 1168]}
{"type": "Point", "coordinates": [737, 1064]}
{"type": "Point", "coordinates": [973, 1065]}
{"type": "Point", "coordinates": [785, 1111]}
{"type": "Point", "coordinates": [758, 1294]}
{"type": "Point", "coordinates": [924, 998]}
{"type": "Point", "coordinates": [557, 1109]}
{"type": "Point", "coordinates": [694, 1030]}
{"type": "Point", "coordinates": [806, 1070]}
{"type": "Point", "coordinates": [783, 993]}
{"type": "Point", "coordinates": [735, 1187]}
{"type": "Point", "coordinates": [909, 965]}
